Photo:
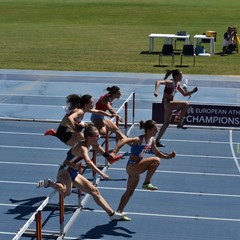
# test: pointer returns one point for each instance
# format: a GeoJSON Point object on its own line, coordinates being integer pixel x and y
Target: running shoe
{"type": "Point", "coordinates": [117, 216]}
{"type": "Point", "coordinates": [181, 126]}
{"type": "Point", "coordinates": [43, 183]}
{"type": "Point", "coordinates": [149, 186]}
{"type": "Point", "coordinates": [126, 218]}
{"type": "Point", "coordinates": [159, 144]}
{"type": "Point", "coordinates": [115, 159]}
{"type": "Point", "coordinates": [50, 132]}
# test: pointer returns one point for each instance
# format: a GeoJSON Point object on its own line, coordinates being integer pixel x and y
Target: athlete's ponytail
{"type": "Point", "coordinates": [112, 90]}
{"type": "Point", "coordinates": [149, 124]}
{"type": "Point", "coordinates": [174, 73]}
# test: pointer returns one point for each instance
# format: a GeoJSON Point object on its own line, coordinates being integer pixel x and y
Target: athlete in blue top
{"type": "Point", "coordinates": [68, 175]}
{"type": "Point", "coordinates": [137, 164]}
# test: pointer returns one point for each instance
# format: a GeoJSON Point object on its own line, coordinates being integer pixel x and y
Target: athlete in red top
{"type": "Point", "coordinates": [105, 104]}
{"type": "Point", "coordinates": [171, 88]}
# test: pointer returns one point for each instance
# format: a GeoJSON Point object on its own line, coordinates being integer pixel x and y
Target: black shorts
{"type": "Point", "coordinates": [63, 134]}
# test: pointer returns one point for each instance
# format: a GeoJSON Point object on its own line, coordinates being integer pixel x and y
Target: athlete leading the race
{"type": "Point", "coordinates": [171, 88]}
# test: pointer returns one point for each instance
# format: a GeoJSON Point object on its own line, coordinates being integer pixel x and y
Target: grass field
{"type": "Point", "coordinates": [110, 35]}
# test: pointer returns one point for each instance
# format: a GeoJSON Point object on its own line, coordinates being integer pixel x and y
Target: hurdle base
{"type": "Point", "coordinates": [45, 234]}
{"type": "Point", "coordinates": [67, 207]}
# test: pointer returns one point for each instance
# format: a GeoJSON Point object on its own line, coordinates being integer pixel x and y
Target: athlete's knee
{"type": "Point", "coordinates": [156, 161]}
{"type": "Point", "coordinates": [95, 192]}
{"type": "Point", "coordinates": [66, 193]}
{"type": "Point", "coordinates": [102, 131]}
{"type": "Point", "coordinates": [63, 189]}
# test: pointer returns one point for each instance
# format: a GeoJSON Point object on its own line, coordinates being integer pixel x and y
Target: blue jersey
{"type": "Point", "coordinates": [141, 150]}
{"type": "Point", "coordinates": [71, 158]}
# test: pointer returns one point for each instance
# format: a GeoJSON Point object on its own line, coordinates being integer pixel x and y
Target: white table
{"type": "Point", "coordinates": [169, 39]}
{"type": "Point", "coordinates": [199, 37]}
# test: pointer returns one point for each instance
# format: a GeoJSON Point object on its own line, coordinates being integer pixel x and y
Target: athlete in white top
{"type": "Point", "coordinates": [137, 164]}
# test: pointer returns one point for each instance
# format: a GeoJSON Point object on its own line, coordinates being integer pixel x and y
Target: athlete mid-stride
{"type": "Point", "coordinates": [171, 88]}
{"type": "Point", "coordinates": [137, 163]}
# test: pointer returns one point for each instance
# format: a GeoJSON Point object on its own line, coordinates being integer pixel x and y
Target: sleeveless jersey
{"type": "Point", "coordinates": [141, 150]}
{"type": "Point", "coordinates": [172, 90]}
{"type": "Point", "coordinates": [100, 105]}
{"type": "Point", "coordinates": [69, 111]}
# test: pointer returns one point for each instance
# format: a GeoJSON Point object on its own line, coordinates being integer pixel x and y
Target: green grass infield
{"type": "Point", "coordinates": [111, 36]}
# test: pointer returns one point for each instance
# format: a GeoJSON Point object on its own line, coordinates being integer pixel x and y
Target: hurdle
{"type": "Point", "coordinates": [125, 105]}
{"type": "Point", "coordinates": [36, 216]}
{"type": "Point", "coordinates": [39, 233]}
{"type": "Point", "coordinates": [94, 159]}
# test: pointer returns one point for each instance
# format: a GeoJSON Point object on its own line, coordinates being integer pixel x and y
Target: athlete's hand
{"type": "Point", "coordinates": [155, 94]}
{"type": "Point", "coordinates": [113, 115]}
{"type": "Point", "coordinates": [120, 119]}
{"type": "Point", "coordinates": [171, 155]}
{"type": "Point", "coordinates": [105, 176]}
{"type": "Point", "coordinates": [112, 155]}
{"type": "Point", "coordinates": [195, 89]}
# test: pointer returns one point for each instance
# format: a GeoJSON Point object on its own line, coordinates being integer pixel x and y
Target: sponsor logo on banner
{"type": "Point", "coordinates": [203, 115]}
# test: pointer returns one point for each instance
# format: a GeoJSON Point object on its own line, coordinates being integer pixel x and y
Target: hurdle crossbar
{"type": "Point", "coordinates": [33, 217]}
{"type": "Point", "coordinates": [125, 106]}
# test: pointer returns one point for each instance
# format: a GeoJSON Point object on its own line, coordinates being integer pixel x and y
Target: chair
{"type": "Point", "coordinates": [188, 51]}
{"type": "Point", "coordinates": [167, 50]}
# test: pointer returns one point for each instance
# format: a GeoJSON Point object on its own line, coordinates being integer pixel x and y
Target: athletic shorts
{"type": "Point", "coordinates": [131, 162]}
{"type": "Point", "coordinates": [95, 116]}
{"type": "Point", "coordinates": [63, 134]}
{"type": "Point", "coordinates": [73, 173]}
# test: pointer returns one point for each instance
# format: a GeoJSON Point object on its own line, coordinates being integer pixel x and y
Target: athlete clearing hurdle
{"type": "Point", "coordinates": [68, 175]}
{"type": "Point", "coordinates": [104, 103]}
{"type": "Point", "coordinates": [70, 129]}
{"type": "Point", "coordinates": [137, 164]}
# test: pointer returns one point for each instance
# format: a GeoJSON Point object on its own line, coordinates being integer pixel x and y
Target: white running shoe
{"type": "Point", "coordinates": [117, 216]}
{"type": "Point", "coordinates": [43, 183]}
